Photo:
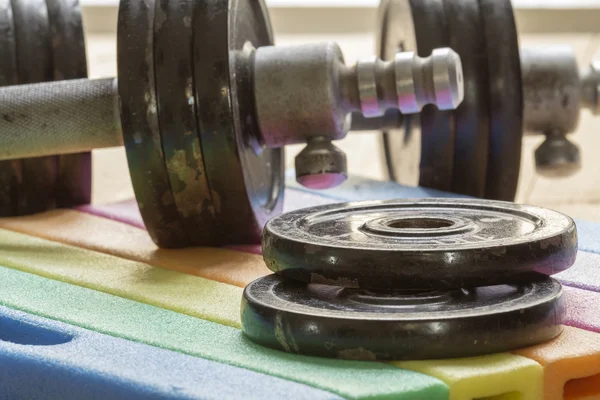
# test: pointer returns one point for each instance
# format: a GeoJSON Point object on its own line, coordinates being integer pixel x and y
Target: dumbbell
{"type": "Point", "coordinates": [204, 104]}
{"type": "Point", "coordinates": [42, 41]}
{"type": "Point", "coordinates": [509, 92]}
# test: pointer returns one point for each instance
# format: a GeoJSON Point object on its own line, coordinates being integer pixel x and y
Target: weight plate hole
{"type": "Point", "coordinates": [420, 223]}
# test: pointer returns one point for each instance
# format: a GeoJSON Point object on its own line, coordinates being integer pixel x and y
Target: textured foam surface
{"type": "Point", "coordinates": [584, 274]}
{"type": "Point", "coordinates": [486, 377]}
{"type": "Point", "coordinates": [358, 189]}
{"type": "Point", "coordinates": [589, 236]}
{"type": "Point", "coordinates": [44, 359]}
{"type": "Point", "coordinates": [498, 376]}
{"type": "Point", "coordinates": [571, 363]}
{"type": "Point", "coordinates": [129, 213]}
{"type": "Point", "coordinates": [125, 211]}
{"type": "Point", "coordinates": [169, 330]}
{"type": "Point", "coordinates": [192, 295]}
{"type": "Point", "coordinates": [119, 239]}
{"type": "Point", "coordinates": [583, 309]}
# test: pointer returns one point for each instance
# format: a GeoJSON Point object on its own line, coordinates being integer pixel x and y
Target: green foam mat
{"type": "Point", "coordinates": [159, 327]}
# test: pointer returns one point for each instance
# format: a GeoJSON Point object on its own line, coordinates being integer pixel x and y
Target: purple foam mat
{"type": "Point", "coordinates": [124, 211]}
{"type": "Point", "coordinates": [129, 213]}
{"type": "Point", "coordinates": [583, 309]}
{"type": "Point", "coordinates": [584, 274]}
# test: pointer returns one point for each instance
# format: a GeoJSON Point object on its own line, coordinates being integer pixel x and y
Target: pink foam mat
{"type": "Point", "coordinates": [129, 213]}
{"type": "Point", "coordinates": [125, 211]}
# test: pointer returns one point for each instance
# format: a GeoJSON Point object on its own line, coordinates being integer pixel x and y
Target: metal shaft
{"type": "Point", "coordinates": [300, 91]}
{"type": "Point", "coordinates": [551, 89]}
{"type": "Point", "coordinates": [554, 92]}
{"type": "Point", "coordinates": [60, 117]}
{"type": "Point", "coordinates": [418, 81]}
{"type": "Point", "coordinates": [408, 83]}
{"type": "Point", "coordinates": [304, 91]}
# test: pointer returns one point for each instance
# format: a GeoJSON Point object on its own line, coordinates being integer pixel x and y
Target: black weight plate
{"type": "Point", "coordinates": [37, 191]}
{"type": "Point", "coordinates": [419, 244]}
{"type": "Point", "coordinates": [506, 99]}
{"type": "Point", "coordinates": [177, 119]}
{"type": "Point", "coordinates": [401, 146]}
{"type": "Point", "coordinates": [437, 127]}
{"type": "Point", "coordinates": [10, 171]}
{"type": "Point", "coordinates": [472, 116]}
{"type": "Point", "coordinates": [139, 120]}
{"type": "Point", "coordinates": [247, 189]}
{"type": "Point", "coordinates": [74, 186]}
{"type": "Point", "coordinates": [346, 323]}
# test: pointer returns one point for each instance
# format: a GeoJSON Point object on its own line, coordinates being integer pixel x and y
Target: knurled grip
{"type": "Point", "coordinates": [61, 117]}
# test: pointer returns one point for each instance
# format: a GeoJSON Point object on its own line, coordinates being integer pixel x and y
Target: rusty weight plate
{"type": "Point", "coordinates": [506, 99]}
{"type": "Point", "coordinates": [74, 185]}
{"type": "Point", "coordinates": [139, 120]}
{"type": "Point", "coordinates": [177, 121]}
{"type": "Point", "coordinates": [330, 321]}
{"type": "Point", "coordinates": [10, 171]}
{"type": "Point", "coordinates": [37, 189]}
{"type": "Point", "coordinates": [246, 187]}
{"type": "Point", "coordinates": [419, 244]}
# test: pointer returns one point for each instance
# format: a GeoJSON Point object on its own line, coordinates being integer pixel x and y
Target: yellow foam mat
{"type": "Point", "coordinates": [494, 377]}
{"type": "Point", "coordinates": [112, 237]}
{"type": "Point", "coordinates": [571, 365]}
{"type": "Point", "coordinates": [176, 291]}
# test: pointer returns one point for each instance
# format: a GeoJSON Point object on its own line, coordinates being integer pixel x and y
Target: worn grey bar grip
{"type": "Point", "coordinates": [60, 117]}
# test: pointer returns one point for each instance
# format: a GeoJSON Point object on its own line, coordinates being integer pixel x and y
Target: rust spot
{"type": "Point", "coordinates": [359, 354]}
{"type": "Point", "coordinates": [177, 165]}
{"type": "Point", "coordinates": [167, 199]}
{"type": "Point", "coordinates": [283, 334]}
{"type": "Point", "coordinates": [191, 190]}
{"type": "Point", "coordinates": [216, 201]}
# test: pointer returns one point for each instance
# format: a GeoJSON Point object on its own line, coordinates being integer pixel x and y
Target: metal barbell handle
{"type": "Point", "coordinates": [61, 117]}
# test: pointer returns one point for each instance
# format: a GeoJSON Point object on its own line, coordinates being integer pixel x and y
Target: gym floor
{"type": "Point", "coordinates": [578, 196]}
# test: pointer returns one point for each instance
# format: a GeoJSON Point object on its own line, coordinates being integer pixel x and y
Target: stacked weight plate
{"type": "Point", "coordinates": [475, 150]}
{"type": "Point", "coordinates": [42, 41]}
{"type": "Point", "coordinates": [411, 279]}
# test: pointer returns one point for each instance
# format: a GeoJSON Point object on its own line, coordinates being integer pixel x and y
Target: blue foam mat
{"type": "Point", "coordinates": [44, 359]}
{"type": "Point", "coordinates": [589, 236]}
{"type": "Point", "coordinates": [358, 189]}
